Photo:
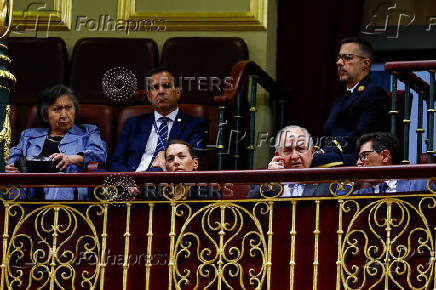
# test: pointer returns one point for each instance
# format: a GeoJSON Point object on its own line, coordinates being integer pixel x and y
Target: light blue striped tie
{"type": "Point", "coordinates": [162, 138]}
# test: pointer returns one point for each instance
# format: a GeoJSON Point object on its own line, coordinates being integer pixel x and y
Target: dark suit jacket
{"type": "Point", "coordinates": [351, 116]}
{"type": "Point", "coordinates": [321, 189]}
{"type": "Point", "coordinates": [133, 139]}
{"type": "Point", "coordinates": [402, 186]}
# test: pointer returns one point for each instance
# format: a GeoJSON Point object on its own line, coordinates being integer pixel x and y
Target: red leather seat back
{"type": "Point", "coordinates": [37, 63]}
{"type": "Point", "coordinates": [126, 59]}
{"type": "Point", "coordinates": [99, 115]}
{"type": "Point", "coordinates": [203, 63]}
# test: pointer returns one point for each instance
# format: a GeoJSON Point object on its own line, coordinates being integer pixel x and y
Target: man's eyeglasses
{"type": "Point", "coordinates": [363, 155]}
{"type": "Point", "coordinates": [346, 57]}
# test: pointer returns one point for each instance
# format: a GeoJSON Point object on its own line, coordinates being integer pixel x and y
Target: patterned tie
{"type": "Point", "coordinates": [294, 189]}
{"type": "Point", "coordinates": [383, 187]}
{"type": "Point", "coordinates": [162, 138]}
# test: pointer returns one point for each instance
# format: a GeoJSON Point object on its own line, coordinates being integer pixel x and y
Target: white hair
{"type": "Point", "coordinates": [278, 144]}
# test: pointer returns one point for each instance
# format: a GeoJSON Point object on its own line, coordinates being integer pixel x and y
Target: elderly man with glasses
{"type": "Point", "coordinates": [382, 149]}
{"type": "Point", "coordinates": [363, 108]}
{"type": "Point", "coordinates": [294, 150]}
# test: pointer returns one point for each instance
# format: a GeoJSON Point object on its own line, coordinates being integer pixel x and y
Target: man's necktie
{"type": "Point", "coordinates": [294, 189]}
{"type": "Point", "coordinates": [162, 141]}
{"type": "Point", "coordinates": [383, 187]}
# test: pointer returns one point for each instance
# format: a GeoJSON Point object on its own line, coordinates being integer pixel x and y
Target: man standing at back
{"type": "Point", "coordinates": [364, 108]}
{"type": "Point", "coordinates": [143, 139]}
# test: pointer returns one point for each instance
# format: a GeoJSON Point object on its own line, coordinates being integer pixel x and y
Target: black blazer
{"type": "Point", "coordinates": [351, 116]}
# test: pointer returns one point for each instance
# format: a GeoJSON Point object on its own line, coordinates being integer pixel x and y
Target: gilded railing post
{"type": "Point", "coordinates": [237, 119]}
{"type": "Point", "coordinates": [7, 80]}
{"type": "Point", "coordinates": [220, 138]}
{"type": "Point", "coordinates": [172, 235]}
{"type": "Point", "coordinates": [126, 246]}
{"type": "Point", "coordinates": [251, 136]}
{"type": "Point", "coordinates": [5, 243]}
{"type": "Point", "coordinates": [54, 250]}
{"type": "Point", "coordinates": [221, 234]}
{"type": "Point", "coordinates": [433, 261]}
{"type": "Point", "coordinates": [419, 129]}
{"type": "Point", "coordinates": [103, 246]}
{"type": "Point", "coordinates": [270, 235]}
{"type": "Point", "coordinates": [394, 112]}
{"type": "Point", "coordinates": [340, 232]}
{"type": "Point", "coordinates": [388, 242]}
{"type": "Point", "coordinates": [149, 245]}
{"type": "Point", "coordinates": [293, 234]}
{"type": "Point", "coordinates": [406, 123]}
{"type": "Point", "coordinates": [430, 118]}
{"type": "Point", "coordinates": [316, 233]}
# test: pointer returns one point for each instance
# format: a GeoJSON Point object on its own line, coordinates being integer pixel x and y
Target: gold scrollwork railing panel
{"type": "Point", "coordinates": [388, 244]}
{"type": "Point", "coordinates": [226, 243]}
{"type": "Point", "coordinates": [52, 246]}
{"type": "Point", "coordinates": [382, 242]}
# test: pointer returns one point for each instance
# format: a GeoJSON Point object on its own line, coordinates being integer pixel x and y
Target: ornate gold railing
{"type": "Point", "coordinates": [343, 242]}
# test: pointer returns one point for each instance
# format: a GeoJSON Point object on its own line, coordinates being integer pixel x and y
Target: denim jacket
{"type": "Point", "coordinates": [82, 138]}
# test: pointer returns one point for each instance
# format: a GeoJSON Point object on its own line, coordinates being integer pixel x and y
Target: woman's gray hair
{"type": "Point", "coordinates": [49, 96]}
{"type": "Point", "coordinates": [278, 144]}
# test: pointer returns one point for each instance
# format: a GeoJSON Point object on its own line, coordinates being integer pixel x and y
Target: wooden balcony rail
{"type": "Point", "coordinates": [354, 241]}
{"type": "Point", "coordinates": [233, 176]}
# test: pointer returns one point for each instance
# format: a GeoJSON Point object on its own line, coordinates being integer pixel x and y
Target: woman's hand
{"type": "Point", "coordinates": [160, 161]}
{"type": "Point", "coordinates": [133, 191]}
{"type": "Point", "coordinates": [65, 160]}
{"type": "Point", "coordinates": [10, 168]}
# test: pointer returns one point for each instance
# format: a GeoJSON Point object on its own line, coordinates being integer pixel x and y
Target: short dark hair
{"type": "Point", "coordinates": [364, 45]}
{"type": "Point", "coordinates": [383, 141]}
{"type": "Point", "coordinates": [157, 70]}
{"type": "Point", "coordinates": [49, 95]}
{"type": "Point", "coordinates": [182, 142]}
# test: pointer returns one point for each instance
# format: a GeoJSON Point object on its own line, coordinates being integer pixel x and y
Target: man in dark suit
{"type": "Point", "coordinates": [362, 109]}
{"type": "Point", "coordinates": [294, 149]}
{"type": "Point", "coordinates": [143, 139]}
{"type": "Point", "coordinates": [383, 149]}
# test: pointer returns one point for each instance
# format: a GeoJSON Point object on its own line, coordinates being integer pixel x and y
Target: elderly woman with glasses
{"type": "Point", "coordinates": [69, 146]}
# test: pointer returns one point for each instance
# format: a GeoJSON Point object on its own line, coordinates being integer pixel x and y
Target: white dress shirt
{"type": "Point", "coordinates": [352, 89]}
{"type": "Point", "coordinates": [392, 186]}
{"type": "Point", "coordinates": [292, 189]}
{"type": "Point", "coordinates": [153, 139]}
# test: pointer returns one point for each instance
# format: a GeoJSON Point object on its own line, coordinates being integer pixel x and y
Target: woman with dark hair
{"type": "Point", "coordinates": [68, 145]}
